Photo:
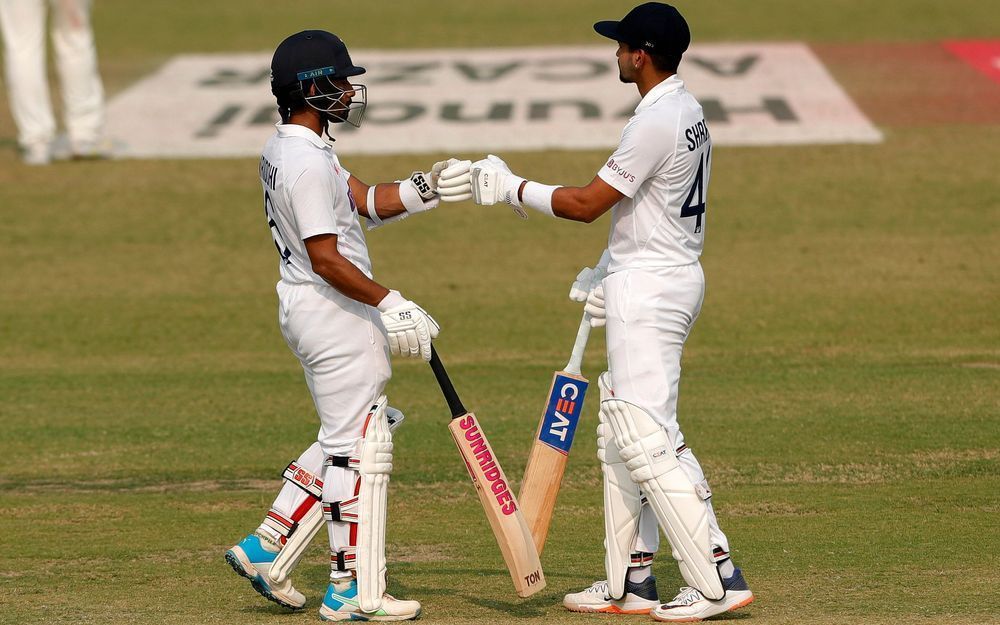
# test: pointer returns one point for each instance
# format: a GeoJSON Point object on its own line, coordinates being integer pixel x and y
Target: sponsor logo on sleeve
{"type": "Point", "coordinates": [621, 171]}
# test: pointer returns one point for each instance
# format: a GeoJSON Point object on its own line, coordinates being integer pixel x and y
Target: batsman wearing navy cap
{"type": "Point", "coordinates": [342, 326]}
{"type": "Point", "coordinates": [647, 289]}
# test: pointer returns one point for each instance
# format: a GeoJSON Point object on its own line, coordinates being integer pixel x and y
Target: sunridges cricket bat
{"type": "Point", "coordinates": [498, 501]}
{"type": "Point", "coordinates": [554, 437]}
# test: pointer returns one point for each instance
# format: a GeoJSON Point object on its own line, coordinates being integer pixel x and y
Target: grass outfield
{"type": "Point", "coordinates": [839, 387]}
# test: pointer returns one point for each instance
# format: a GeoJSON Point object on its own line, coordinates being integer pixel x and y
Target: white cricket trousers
{"type": "Point", "coordinates": [342, 347]}
{"type": "Point", "coordinates": [650, 313]}
{"type": "Point", "coordinates": [22, 23]}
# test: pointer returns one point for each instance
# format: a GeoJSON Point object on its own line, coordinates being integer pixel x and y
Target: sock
{"type": "Point", "coordinates": [726, 568]}
{"type": "Point", "coordinates": [639, 573]}
{"type": "Point", "coordinates": [269, 531]}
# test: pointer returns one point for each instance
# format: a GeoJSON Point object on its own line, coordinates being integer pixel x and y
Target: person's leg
{"type": "Point", "coordinates": [631, 536]}
{"type": "Point", "coordinates": [82, 90]}
{"type": "Point", "coordinates": [268, 554]}
{"type": "Point", "coordinates": [344, 353]}
{"type": "Point", "coordinates": [22, 23]}
{"type": "Point", "coordinates": [650, 315]}
{"type": "Point", "coordinates": [653, 314]}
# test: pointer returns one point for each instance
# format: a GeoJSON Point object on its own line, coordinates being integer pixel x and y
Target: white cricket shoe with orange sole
{"type": "Point", "coordinates": [690, 605]}
{"type": "Point", "coordinates": [639, 598]}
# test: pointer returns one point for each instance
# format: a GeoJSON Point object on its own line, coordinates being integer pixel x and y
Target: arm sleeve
{"type": "Point", "coordinates": [313, 197]}
{"type": "Point", "coordinates": [639, 155]}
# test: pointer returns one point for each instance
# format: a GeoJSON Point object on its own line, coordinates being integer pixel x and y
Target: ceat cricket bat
{"type": "Point", "coordinates": [554, 437]}
{"type": "Point", "coordinates": [501, 507]}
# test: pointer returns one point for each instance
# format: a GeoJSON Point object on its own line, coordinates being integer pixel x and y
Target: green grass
{"type": "Point", "coordinates": [839, 387]}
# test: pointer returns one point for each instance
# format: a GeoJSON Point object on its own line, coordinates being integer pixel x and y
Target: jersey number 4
{"type": "Point", "coordinates": [279, 241]}
{"type": "Point", "coordinates": [698, 192]}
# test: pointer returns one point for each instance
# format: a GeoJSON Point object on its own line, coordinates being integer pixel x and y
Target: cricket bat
{"type": "Point", "coordinates": [550, 451]}
{"type": "Point", "coordinates": [499, 503]}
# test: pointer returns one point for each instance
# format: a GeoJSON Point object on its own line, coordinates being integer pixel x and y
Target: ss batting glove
{"type": "Point", "coordinates": [493, 182]}
{"type": "Point", "coordinates": [595, 307]}
{"type": "Point", "coordinates": [409, 328]}
{"type": "Point", "coordinates": [447, 180]}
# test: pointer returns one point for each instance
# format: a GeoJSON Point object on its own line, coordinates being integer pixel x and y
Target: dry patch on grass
{"type": "Point", "coordinates": [128, 486]}
{"type": "Point", "coordinates": [211, 507]}
{"type": "Point", "coordinates": [66, 513]}
{"type": "Point", "coordinates": [980, 365]}
{"type": "Point", "coordinates": [765, 509]}
{"type": "Point", "coordinates": [420, 553]}
{"type": "Point", "coordinates": [207, 554]}
{"type": "Point", "coordinates": [891, 468]}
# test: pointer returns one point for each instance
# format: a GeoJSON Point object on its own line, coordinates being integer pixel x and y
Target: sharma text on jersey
{"type": "Point", "coordinates": [697, 135]}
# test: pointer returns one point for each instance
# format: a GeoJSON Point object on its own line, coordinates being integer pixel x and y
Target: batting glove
{"type": "Point", "coordinates": [493, 181]}
{"type": "Point", "coordinates": [408, 326]}
{"type": "Point", "coordinates": [595, 307]}
{"type": "Point", "coordinates": [451, 180]}
{"type": "Point", "coordinates": [586, 281]}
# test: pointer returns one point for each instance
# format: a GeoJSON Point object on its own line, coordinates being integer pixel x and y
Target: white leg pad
{"type": "Point", "coordinates": [305, 530]}
{"type": "Point", "coordinates": [622, 502]}
{"type": "Point", "coordinates": [683, 515]}
{"type": "Point", "coordinates": [291, 552]}
{"type": "Point", "coordinates": [374, 467]}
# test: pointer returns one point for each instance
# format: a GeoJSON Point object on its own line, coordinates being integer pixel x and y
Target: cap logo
{"type": "Point", "coordinates": [316, 73]}
{"type": "Point", "coordinates": [649, 44]}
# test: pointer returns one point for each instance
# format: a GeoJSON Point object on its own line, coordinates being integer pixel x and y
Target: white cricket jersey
{"type": "Point", "coordinates": [662, 167]}
{"type": "Point", "coordinates": [306, 194]}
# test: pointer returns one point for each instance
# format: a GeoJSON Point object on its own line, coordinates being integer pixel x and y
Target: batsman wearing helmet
{"type": "Point", "coordinates": [648, 289]}
{"type": "Point", "coordinates": [342, 326]}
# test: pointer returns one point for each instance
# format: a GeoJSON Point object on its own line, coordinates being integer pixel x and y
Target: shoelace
{"type": "Point", "coordinates": [601, 586]}
{"type": "Point", "coordinates": [686, 596]}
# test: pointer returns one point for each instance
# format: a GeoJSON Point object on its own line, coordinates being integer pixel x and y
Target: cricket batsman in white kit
{"type": "Point", "coordinates": [342, 326]}
{"type": "Point", "coordinates": [648, 288]}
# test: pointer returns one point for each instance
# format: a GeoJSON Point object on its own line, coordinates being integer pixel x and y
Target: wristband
{"type": "Point", "coordinates": [370, 205]}
{"type": "Point", "coordinates": [391, 300]}
{"type": "Point", "coordinates": [539, 197]}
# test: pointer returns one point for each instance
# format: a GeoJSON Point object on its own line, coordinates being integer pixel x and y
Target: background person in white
{"type": "Point", "coordinates": [655, 185]}
{"type": "Point", "coordinates": [339, 322]}
{"type": "Point", "coordinates": [23, 26]}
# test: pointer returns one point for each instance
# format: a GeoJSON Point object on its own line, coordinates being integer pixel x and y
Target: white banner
{"type": "Point", "coordinates": [479, 100]}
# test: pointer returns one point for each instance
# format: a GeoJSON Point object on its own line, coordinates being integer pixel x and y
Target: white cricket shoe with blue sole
{"type": "Point", "coordinates": [341, 604]}
{"type": "Point", "coordinates": [690, 605]}
{"type": "Point", "coordinates": [252, 558]}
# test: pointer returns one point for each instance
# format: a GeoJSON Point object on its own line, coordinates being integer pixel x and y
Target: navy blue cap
{"type": "Point", "coordinates": [310, 54]}
{"type": "Point", "coordinates": [656, 27]}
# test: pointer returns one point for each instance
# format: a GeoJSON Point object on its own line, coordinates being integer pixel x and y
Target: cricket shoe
{"type": "Point", "coordinates": [252, 558]}
{"type": "Point", "coordinates": [39, 153]}
{"type": "Point", "coordinates": [341, 604]}
{"type": "Point", "coordinates": [690, 605]}
{"type": "Point", "coordinates": [640, 598]}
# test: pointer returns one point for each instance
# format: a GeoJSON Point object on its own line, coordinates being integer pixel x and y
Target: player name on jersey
{"type": "Point", "coordinates": [477, 100]}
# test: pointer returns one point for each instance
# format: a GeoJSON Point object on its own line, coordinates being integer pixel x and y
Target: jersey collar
{"type": "Point", "coordinates": [295, 130]}
{"type": "Point", "coordinates": [670, 85]}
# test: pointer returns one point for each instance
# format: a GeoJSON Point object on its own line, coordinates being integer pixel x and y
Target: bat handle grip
{"type": "Point", "coordinates": [447, 388]}
{"type": "Point", "coordinates": [582, 335]}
